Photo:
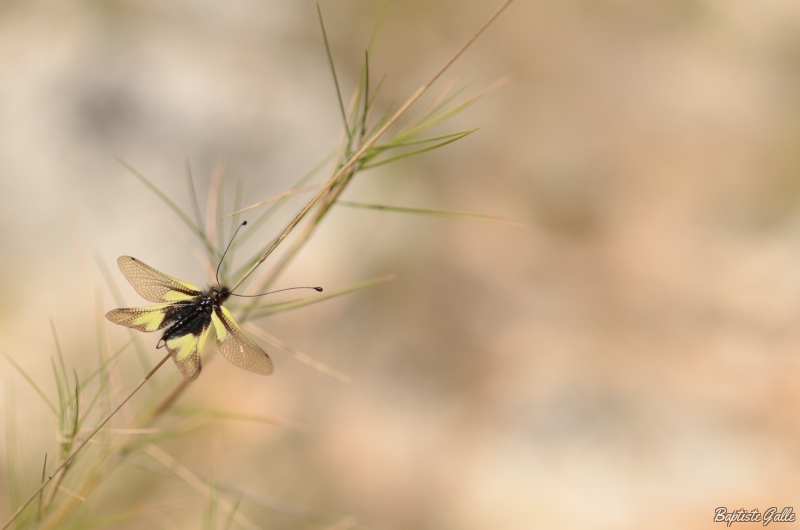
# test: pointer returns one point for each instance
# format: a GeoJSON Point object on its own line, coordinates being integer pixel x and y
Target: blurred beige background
{"type": "Point", "coordinates": [631, 360]}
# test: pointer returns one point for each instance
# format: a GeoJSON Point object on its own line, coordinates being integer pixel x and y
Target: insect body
{"type": "Point", "coordinates": [186, 315]}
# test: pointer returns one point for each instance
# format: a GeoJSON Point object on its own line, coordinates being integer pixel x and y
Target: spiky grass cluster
{"type": "Point", "coordinates": [69, 477]}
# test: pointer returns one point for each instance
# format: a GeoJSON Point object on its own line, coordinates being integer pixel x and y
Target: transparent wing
{"type": "Point", "coordinates": [150, 318]}
{"type": "Point", "coordinates": [153, 285]}
{"type": "Point", "coordinates": [237, 347]}
{"type": "Point", "coordinates": [185, 351]}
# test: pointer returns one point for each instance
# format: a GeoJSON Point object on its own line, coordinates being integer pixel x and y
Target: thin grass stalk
{"type": "Point", "coordinates": [69, 459]}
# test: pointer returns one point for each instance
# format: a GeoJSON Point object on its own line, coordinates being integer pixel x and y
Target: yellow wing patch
{"type": "Point", "coordinates": [186, 350]}
{"type": "Point", "coordinates": [219, 327]}
{"type": "Point", "coordinates": [150, 318]}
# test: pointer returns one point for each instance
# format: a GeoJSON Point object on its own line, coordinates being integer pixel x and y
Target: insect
{"type": "Point", "coordinates": [186, 315]}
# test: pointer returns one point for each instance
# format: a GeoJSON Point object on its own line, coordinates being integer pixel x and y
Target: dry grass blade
{"type": "Point", "coordinates": [438, 213]}
{"type": "Point", "coordinates": [196, 482]}
{"type": "Point", "coordinates": [300, 356]}
{"type": "Point", "coordinates": [224, 415]}
{"type": "Point", "coordinates": [274, 198]}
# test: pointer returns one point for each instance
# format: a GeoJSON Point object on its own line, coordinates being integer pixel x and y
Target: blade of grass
{"type": "Point", "coordinates": [83, 444]}
{"type": "Point", "coordinates": [435, 118]}
{"type": "Point", "coordinates": [12, 448]}
{"type": "Point", "coordinates": [272, 309]}
{"type": "Point", "coordinates": [195, 482]}
{"type": "Point", "coordinates": [438, 213]}
{"type": "Point", "coordinates": [104, 364]}
{"type": "Point", "coordinates": [333, 70]}
{"type": "Point", "coordinates": [366, 96]}
{"type": "Point", "coordinates": [233, 511]}
{"type": "Point", "coordinates": [224, 415]}
{"type": "Point", "coordinates": [44, 474]}
{"type": "Point", "coordinates": [439, 102]}
{"type": "Point", "coordinates": [417, 151]}
{"type": "Point", "coordinates": [377, 27]}
{"type": "Point", "coordinates": [171, 205]}
{"type": "Point", "coordinates": [198, 217]}
{"type": "Point", "coordinates": [300, 356]}
{"type": "Point", "coordinates": [60, 355]}
{"type": "Point", "coordinates": [274, 198]}
{"type": "Point", "coordinates": [407, 143]}
{"type": "Point", "coordinates": [28, 378]}
{"type": "Point", "coordinates": [60, 390]}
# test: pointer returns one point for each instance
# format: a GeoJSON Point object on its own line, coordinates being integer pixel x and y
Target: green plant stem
{"type": "Point", "coordinates": [68, 459]}
{"type": "Point", "coordinates": [357, 156]}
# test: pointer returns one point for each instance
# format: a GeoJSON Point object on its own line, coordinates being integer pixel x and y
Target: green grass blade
{"type": "Point", "coordinates": [333, 71]}
{"type": "Point", "coordinates": [30, 380]}
{"type": "Point", "coordinates": [417, 125]}
{"type": "Point", "coordinates": [270, 211]}
{"type": "Point", "coordinates": [416, 152]}
{"type": "Point", "coordinates": [60, 354]}
{"type": "Point", "coordinates": [275, 207]}
{"type": "Point", "coordinates": [12, 451]}
{"type": "Point", "coordinates": [365, 112]}
{"type": "Point", "coordinates": [377, 27]}
{"type": "Point", "coordinates": [198, 217]}
{"type": "Point", "coordinates": [437, 213]}
{"type": "Point", "coordinates": [272, 309]}
{"type": "Point", "coordinates": [378, 88]}
{"type": "Point", "coordinates": [104, 364]}
{"type": "Point", "coordinates": [395, 144]}
{"type": "Point", "coordinates": [199, 232]}
{"type": "Point", "coordinates": [44, 475]}
{"type": "Point", "coordinates": [62, 399]}
{"type": "Point", "coordinates": [233, 511]}
{"type": "Point", "coordinates": [386, 115]}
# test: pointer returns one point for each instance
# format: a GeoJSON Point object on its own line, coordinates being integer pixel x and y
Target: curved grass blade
{"type": "Point", "coordinates": [30, 380]}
